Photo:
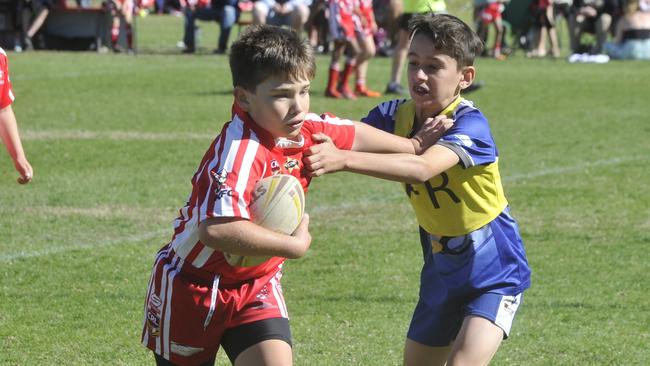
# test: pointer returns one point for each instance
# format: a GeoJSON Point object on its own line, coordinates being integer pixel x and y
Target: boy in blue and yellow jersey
{"type": "Point", "coordinates": [475, 268]}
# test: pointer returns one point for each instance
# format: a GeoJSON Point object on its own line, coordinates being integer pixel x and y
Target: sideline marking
{"type": "Point", "coordinates": [44, 135]}
{"type": "Point", "coordinates": [57, 250]}
{"type": "Point", "coordinates": [150, 235]}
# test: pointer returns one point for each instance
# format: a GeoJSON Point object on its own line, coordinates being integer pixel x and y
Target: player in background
{"type": "Point", "coordinates": [121, 11]}
{"type": "Point", "coordinates": [197, 301]}
{"type": "Point", "coordinates": [475, 268]}
{"type": "Point", "coordinates": [8, 125]}
{"type": "Point", "coordinates": [341, 19]}
{"type": "Point", "coordinates": [492, 13]}
{"type": "Point", "coordinates": [352, 25]}
{"type": "Point", "coordinates": [365, 27]}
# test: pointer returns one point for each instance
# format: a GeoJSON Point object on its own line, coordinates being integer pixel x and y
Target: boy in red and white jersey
{"type": "Point", "coordinates": [8, 125]}
{"type": "Point", "coordinates": [197, 301]}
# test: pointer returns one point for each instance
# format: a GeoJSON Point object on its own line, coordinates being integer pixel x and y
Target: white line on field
{"type": "Point", "coordinates": [574, 168]}
{"type": "Point", "coordinates": [53, 249]}
{"type": "Point", "coordinates": [42, 135]}
{"type": "Point", "coordinates": [150, 235]}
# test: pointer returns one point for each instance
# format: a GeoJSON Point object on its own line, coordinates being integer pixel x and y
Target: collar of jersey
{"type": "Point", "coordinates": [449, 110]}
{"type": "Point", "coordinates": [265, 137]}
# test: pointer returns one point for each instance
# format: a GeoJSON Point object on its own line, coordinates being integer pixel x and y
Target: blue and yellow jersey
{"type": "Point", "coordinates": [469, 239]}
{"type": "Point", "coordinates": [468, 195]}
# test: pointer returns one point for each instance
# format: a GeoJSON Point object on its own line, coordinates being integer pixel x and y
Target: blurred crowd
{"type": "Point", "coordinates": [356, 30]}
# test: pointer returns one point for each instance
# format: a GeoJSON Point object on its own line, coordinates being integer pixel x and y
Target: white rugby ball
{"type": "Point", "coordinates": [277, 203]}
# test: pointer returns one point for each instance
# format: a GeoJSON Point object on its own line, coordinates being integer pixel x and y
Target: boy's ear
{"type": "Point", "coordinates": [467, 77]}
{"type": "Point", "coordinates": [241, 97]}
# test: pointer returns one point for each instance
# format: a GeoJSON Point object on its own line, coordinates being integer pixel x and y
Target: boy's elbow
{"type": "Point", "coordinates": [207, 236]}
{"type": "Point", "coordinates": [419, 178]}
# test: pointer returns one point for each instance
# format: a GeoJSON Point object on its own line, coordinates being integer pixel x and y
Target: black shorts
{"type": "Point", "coordinates": [236, 340]}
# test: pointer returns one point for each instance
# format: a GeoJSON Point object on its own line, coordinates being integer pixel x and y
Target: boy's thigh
{"type": "Point", "coordinates": [476, 343]}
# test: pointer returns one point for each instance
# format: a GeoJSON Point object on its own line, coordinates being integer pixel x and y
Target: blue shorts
{"type": "Point", "coordinates": [438, 325]}
{"type": "Point", "coordinates": [482, 273]}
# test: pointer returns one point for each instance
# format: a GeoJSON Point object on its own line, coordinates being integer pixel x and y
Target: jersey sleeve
{"type": "Point", "coordinates": [470, 138]}
{"type": "Point", "coordinates": [223, 184]}
{"type": "Point", "coordinates": [6, 93]}
{"type": "Point", "coordinates": [340, 130]}
{"type": "Point", "coordinates": [383, 115]}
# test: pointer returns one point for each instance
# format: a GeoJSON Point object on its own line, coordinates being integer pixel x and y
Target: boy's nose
{"type": "Point", "coordinates": [420, 74]}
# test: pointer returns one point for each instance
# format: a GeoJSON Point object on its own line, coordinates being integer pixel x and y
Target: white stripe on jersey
{"type": "Point", "coordinates": [203, 257]}
{"type": "Point", "coordinates": [244, 173]}
{"type": "Point", "coordinates": [328, 119]}
{"type": "Point", "coordinates": [234, 134]}
{"type": "Point", "coordinates": [185, 240]}
{"type": "Point", "coordinates": [279, 298]}
{"type": "Point", "coordinates": [168, 288]}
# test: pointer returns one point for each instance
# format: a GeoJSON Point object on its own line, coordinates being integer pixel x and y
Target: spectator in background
{"type": "Point", "coordinates": [223, 11]}
{"type": "Point", "coordinates": [293, 13]}
{"type": "Point", "coordinates": [8, 125]}
{"type": "Point", "coordinates": [632, 36]}
{"type": "Point", "coordinates": [121, 11]}
{"type": "Point", "coordinates": [410, 8]}
{"type": "Point", "coordinates": [591, 16]}
{"type": "Point", "coordinates": [42, 9]}
{"type": "Point", "coordinates": [544, 22]}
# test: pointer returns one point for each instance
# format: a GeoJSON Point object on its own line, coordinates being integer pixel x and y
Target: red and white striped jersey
{"type": "Point", "coordinates": [6, 93]}
{"type": "Point", "coordinates": [242, 154]}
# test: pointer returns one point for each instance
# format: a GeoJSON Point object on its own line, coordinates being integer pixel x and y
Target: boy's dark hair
{"type": "Point", "coordinates": [449, 35]}
{"type": "Point", "coordinates": [264, 51]}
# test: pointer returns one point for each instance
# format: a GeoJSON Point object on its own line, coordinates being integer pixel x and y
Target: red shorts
{"type": "Point", "coordinates": [187, 310]}
{"type": "Point", "coordinates": [341, 23]}
{"type": "Point", "coordinates": [491, 13]}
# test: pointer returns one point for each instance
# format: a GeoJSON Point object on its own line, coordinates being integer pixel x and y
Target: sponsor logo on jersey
{"type": "Point", "coordinates": [275, 167]}
{"type": "Point", "coordinates": [291, 164]}
{"type": "Point", "coordinates": [220, 179]}
{"type": "Point", "coordinates": [153, 315]}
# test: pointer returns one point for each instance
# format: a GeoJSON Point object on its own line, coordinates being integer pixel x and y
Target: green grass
{"type": "Point", "coordinates": [114, 141]}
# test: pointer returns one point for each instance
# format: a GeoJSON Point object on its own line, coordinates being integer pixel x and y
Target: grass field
{"type": "Point", "coordinates": [114, 141]}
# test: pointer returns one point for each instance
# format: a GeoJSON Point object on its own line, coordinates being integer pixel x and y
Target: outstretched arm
{"type": "Point", "coordinates": [408, 168]}
{"type": "Point", "coordinates": [242, 237]}
{"type": "Point", "coordinates": [371, 139]}
{"type": "Point", "coordinates": [11, 138]}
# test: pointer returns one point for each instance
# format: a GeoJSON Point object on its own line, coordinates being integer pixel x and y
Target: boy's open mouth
{"type": "Point", "coordinates": [419, 90]}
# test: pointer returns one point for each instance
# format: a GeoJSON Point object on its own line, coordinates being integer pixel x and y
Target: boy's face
{"type": "Point", "coordinates": [278, 105]}
{"type": "Point", "coordinates": [434, 78]}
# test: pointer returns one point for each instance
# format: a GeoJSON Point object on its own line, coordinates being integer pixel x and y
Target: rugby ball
{"type": "Point", "coordinates": [277, 203]}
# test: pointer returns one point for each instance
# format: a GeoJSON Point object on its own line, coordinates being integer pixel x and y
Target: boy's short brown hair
{"type": "Point", "coordinates": [449, 35]}
{"type": "Point", "coordinates": [264, 51]}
